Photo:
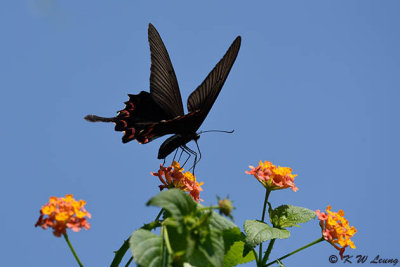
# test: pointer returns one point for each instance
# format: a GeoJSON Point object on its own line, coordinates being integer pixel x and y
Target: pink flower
{"type": "Point", "coordinates": [174, 177]}
{"type": "Point", "coordinates": [273, 177]}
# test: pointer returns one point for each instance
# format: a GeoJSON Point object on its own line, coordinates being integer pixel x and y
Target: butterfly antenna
{"type": "Point", "coordinates": [94, 118]}
{"type": "Point", "coordinates": [218, 131]}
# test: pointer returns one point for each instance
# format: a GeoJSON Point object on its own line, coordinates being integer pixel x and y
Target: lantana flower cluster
{"type": "Point", "coordinates": [273, 177]}
{"type": "Point", "coordinates": [62, 213]}
{"type": "Point", "coordinates": [174, 177]}
{"type": "Point", "coordinates": [336, 229]}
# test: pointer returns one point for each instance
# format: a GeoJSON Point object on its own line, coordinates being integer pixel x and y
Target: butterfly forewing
{"type": "Point", "coordinates": [203, 98]}
{"type": "Point", "coordinates": [163, 83]}
{"type": "Point", "coordinates": [201, 101]}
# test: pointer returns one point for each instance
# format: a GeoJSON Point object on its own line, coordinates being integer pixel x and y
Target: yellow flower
{"type": "Point", "coordinates": [336, 229]}
{"type": "Point", "coordinates": [273, 177]}
{"type": "Point", "coordinates": [62, 213]}
{"type": "Point", "coordinates": [174, 177]}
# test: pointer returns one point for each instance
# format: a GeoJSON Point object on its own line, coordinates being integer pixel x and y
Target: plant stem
{"type": "Point", "coordinates": [120, 253]}
{"type": "Point", "coordinates": [159, 215]}
{"type": "Point", "coordinates": [209, 208]}
{"type": "Point", "coordinates": [165, 246]}
{"type": "Point", "coordinates": [72, 249]}
{"type": "Point", "coordinates": [262, 219]}
{"type": "Point", "coordinates": [268, 252]}
{"type": "Point", "coordinates": [163, 249]}
{"type": "Point", "coordinates": [265, 204]}
{"type": "Point", "coordinates": [129, 262]}
{"type": "Point", "coordinates": [297, 250]}
{"type": "Point", "coordinates": [166, 237]}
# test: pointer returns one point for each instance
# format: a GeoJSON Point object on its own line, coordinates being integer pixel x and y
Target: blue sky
{"type": "Point", "coordinates": [315, 87]}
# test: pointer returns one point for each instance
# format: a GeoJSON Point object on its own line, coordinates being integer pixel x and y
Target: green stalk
{"type": "Point", "coordinates": [167, 243]}
{"type": "Point", "coordinates": [209, 208]}
{"type": "Point", "coordinates": [159, 215]}
{"type": "Point", "coordinates": [129, 262]}
{"type": "Point", "coordinates": [120, 253]}
{"type": "Point", "coordinates": [268, 252]}
{"type": "Point", "coordinates": [297, 250]}
{"type": "Point", "coordinates": [72, 249]}
{"type": "Point", "coordinates": [267, 192]}
{"type": "Point", "coordinates": [164, 261]}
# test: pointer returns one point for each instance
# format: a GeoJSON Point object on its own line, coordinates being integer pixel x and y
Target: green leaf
{"type": "Point", "coordinates": [210, 252]}
{"type": "Point", "coordinates": [179, 239]}
{"type": "Point", "coordinates": [247, 249]}
{"type": "Point", "coordinates": [196, 241]}
{"type": "Point", "coordinates": [289, 216]}
{"type": "Point", "coordinates": [235, 255]}
{"type": "Point", "coordinates": [175, 201]}
{"type": "Point", "coordinates": [258, 232]}
{"type": "Point", "coordinates": [236, 250]}
{"type": "Point", "coordinates": [231, 236]}
{"type": "Point", "coordinates": [146, 248]}
{"type": "Point", "coordinates": [221, 223]}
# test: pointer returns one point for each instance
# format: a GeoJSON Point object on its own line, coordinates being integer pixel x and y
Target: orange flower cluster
{"type": "Point", "coordinates": [273, 177]}
{"type": "Point", "coordinates": [174, 177]}
{"type": "Point", "coordinates": [63, 213]}
{"type": "Point", "coordinates": [336, 229]}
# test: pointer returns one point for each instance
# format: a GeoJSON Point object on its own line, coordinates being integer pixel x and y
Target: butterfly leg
{"type": "Point", "coordinates": [186, 159]}
{"type": "Point", "coordinates": [192, 152]}
{"type": "Point", "coordinates": [198, 149]}
{"type": "Point", "coordinates": [181, 154]}
{"type": "Point", "coordinates": [176, 152]}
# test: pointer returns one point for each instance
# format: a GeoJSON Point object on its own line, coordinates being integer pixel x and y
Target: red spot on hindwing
{"type": "Point", "coordinates": [124, 113]}
{"type": "Point", "coordinates": [131, 132]}
{"type": "Point", "coordinates": [129, 106]}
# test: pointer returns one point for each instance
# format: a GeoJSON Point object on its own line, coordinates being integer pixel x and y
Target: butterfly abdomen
{"type": "Point", "coordinates": [94, 118]}
{"type": "Point", "coordinates": [173, 142]}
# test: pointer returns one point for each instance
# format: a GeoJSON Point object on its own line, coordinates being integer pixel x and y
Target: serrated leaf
{"type": "Point", "coordinates": [146, 248]}
{"type": "Point", "coordinates": [210, 252]}
{"type": "Point", "coordinates": [258, 232]}
{"type": "Point", "coordinates": [288, 216]}
{"type": "Point", "coordinates": [178, 238]}
{"type": "Point", "coordinates": [247, 249]}
{"type": "Point", "coordinates": [175, 201]}
{"type": "Point", "coordinates": [231, 236]}
{"type": "Point", "coordinates": [235, 255]}
{"type": "Point", "coordinates": [221, 223]}
{"type": "Point", "coordinates": [199, 242]}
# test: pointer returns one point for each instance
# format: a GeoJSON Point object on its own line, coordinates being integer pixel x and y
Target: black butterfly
{"type": "Point", "coordinates": [147, 116]}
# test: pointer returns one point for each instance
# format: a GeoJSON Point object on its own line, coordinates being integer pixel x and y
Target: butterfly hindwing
{"type": "Point", "coordinates": [151, 131]}
{"type": "Point", "coordinates": [140, 110]}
